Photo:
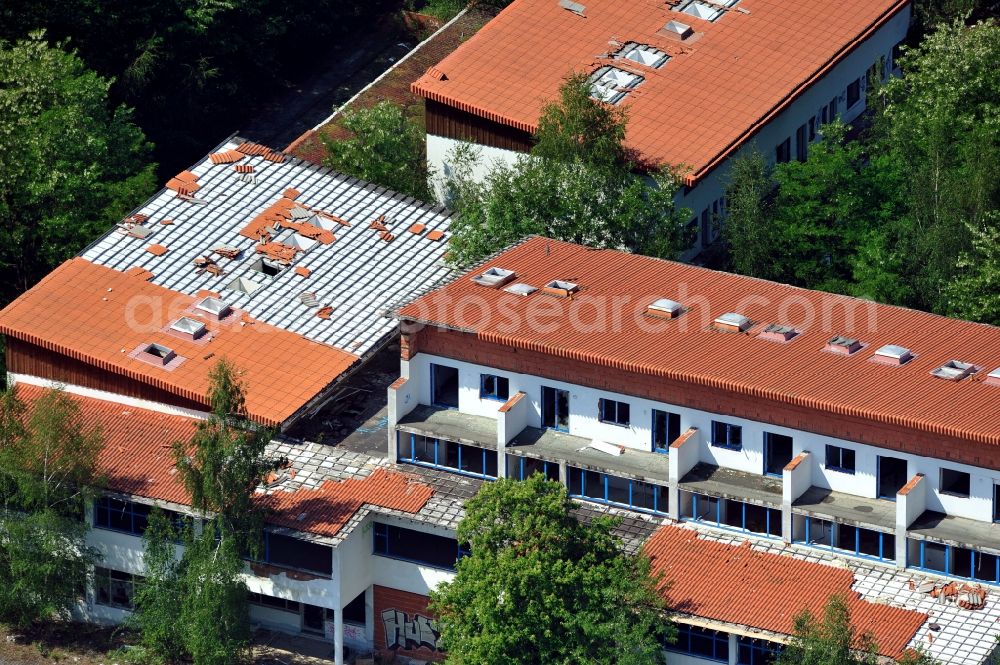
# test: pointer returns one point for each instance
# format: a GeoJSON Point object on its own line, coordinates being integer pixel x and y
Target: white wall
{"type": "Point", "coordinates": [583, 422]}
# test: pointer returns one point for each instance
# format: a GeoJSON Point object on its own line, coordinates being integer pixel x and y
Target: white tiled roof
{"type": "Point", "coordinates": [359, 275]}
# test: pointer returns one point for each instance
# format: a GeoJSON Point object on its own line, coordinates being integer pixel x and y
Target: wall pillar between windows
{"type": "Point", "coordinates": [563, 474]}
{"type": "Point", "coordinates": [682, 458]}
{"type": "Point", "coordinates": [734, 649]}
{"type": "Point", "coordinates": [370, 614]}
{"type": "Point", "coordinates": [796, 478]}
{"type": "Point", "coordinates": [512, 418]}
{"type": "Point", "coordinates": [911, 502]}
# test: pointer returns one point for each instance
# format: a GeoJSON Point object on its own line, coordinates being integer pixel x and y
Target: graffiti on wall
{"type": "Point", "coordinates": [404, 632]}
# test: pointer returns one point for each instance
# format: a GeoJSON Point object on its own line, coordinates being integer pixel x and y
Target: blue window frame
{"type": "Point", "coordinates": [727, 435]}
{"type": "Point", "coordinates": [701, 642]}
{"type": "Point", "coordinates": [996, 503]}
{"type": "Point", "coordinates": [494, 387]}
{"type": "Point", "coordinates": [117, 515]}
{"type": "Point", "coordinates": [751, 651]}
{"type": "Point", "coordinates": [615, 490]}
{"type": "Point", "coordinates": [845, 538]}
{"type": "Point", "coordinates": [840, 459]}
{"type": "Point", "coordinates": [613, 412]}
{"type": "Point", "coordinates": [522, 468]}
{"type": "Point", "coordinates": [954, 561]}
{"type": "Point", "coordinates": [733, 515]}
{"type": "Point", "coordinates": [666, 430]}
{"type": "Point", "coordinates": [448, 455]}
{"type": "Point", "coordinates": [427, 549]}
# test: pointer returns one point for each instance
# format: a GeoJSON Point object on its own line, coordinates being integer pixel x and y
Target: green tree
{"type": "Point", "coordinates": [221, 468]}
{"type": "Point", "coordinates": [541, 587]}
{"type": "Point", "coordinates": [69, 164]}
{"type": "Point", "coordinates": [579, 129]}
{"type": "Point", "coordinates": [386, 147]}
{"type": "Point", "coordinates": [937, 134]}
{"type": "Point", "coordinates": [48, 469]}
{"type": "Point", "coordinates": [974, 292]}
{"type": "Point", "coordinates": [749, 228]}
{"type": "Point", "coordinates": [829, 640]}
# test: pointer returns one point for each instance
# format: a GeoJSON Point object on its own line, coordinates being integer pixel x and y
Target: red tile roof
{"type": "Point", "coordinates": [738, 585]}
{"type": "Point", "coordinates": [689, 350]}
{"type": "Point", "coordinates": [100, 316]}
{"type": "Point", "coordinates": [714, 93]}
{"type": "Point", "coordinates": [137, 460]}
{"type": "Point", "coordinates": [326, 510]}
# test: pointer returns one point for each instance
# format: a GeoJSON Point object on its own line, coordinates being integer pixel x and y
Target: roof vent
{"type": "Point", "coordinates": [954, 370]}
{"type": "Point", "coordinates": [993, 378]}
{"type": "Point", "coordinates": [157, 354]}
{"type": "Point", "coordinates": [521, 289]}
{"type": "Point", "coordinates": [494, 277]}
{"type": "Point", "coordinates": [891, 354]}
{"type": "Point", "coordinates": [574, 7]}
{"type": "Point", "coordinates": [665, 309]}
{"type": "Point", "coordinates": [733, 322]}
{"type": "Point", "coordinates": [778, 333]}
{"type": "Point", "coordinates": [215, 308]}
{"type": "Point", "coordinates": [843, 345]}
{"type": "Point", "coordinates": [676, 29]}
{"type": "Point", "coordinates": [190, 328]}
{"type": "Point", "coordinates": [558, 287]}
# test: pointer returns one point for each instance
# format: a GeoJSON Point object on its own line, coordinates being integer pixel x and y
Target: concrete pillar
{"type": "Point", "coordinates": [402, 399]}
{"type": "Point", "coordinates": [911, 502]}
{"type": "Point", "coordinates": [338, 613]}
{"type": "Point", "coordinates": [682, 458]}
{"type": "Point", "coordinates": [512, 418]}
{"type": "Point", "coordinates": [563, 474]}
{"type": "Point", "coordinates": [370, 615]}
{"type": "Point", "coordinates": [796, 478]}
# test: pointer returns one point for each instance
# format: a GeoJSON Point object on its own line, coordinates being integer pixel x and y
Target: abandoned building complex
{"type": "Point", "coordinates": [702, 80]}
{"type": "Point", "coordinates": [766, 446]}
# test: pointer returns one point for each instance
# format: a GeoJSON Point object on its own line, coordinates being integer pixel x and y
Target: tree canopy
{"type": "Point", "coordinates": [385, 147]}
{"type": "Point", "coordinates": [70, 163]}
{"type": "Point", "coordinates": [577, 185]}
{"type": "Point", "coordinates": [542, 587]}
{"type": "Point", "coordinates": [48, 470]}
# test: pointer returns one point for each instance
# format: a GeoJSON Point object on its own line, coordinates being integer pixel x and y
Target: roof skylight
{"type": "Point", "coordinates": [643, 54]}
{"type": "Point", "coordinates": [243, 285]}
{"type": "Point", "coordinates": [610, 84]}
{"type": "Point", "coordinates": [844, 345]}
{"type": "Point", "coordinates": [733, 322]}
{"type": "Point", "coordinates": [676, 29]}
{"type": "Point", "coordinates": [562, 287]}
{"type": "Point", "coordinates": [893, 354]}
{"type": "Point", "coordinates": [666, 308]}
{"type": "Point", "coordinates": [218, 308]}
{"type": "Point", "coordinates": [778, 333]}
{"type": "Point", "coordinates": [157, 354]}
{"type": "Point", "coordinates": [189, 327]}
{"type": "Point", "coordinates": [494, 277]}
{"type": "Point", "coordinates": [707, 11]}
{"type": "Point", "coordinates": [954, 370]}
{"type": "Point", "coordinates": [521, 289]}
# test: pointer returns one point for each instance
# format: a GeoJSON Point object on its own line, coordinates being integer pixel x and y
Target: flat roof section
{"type": "Point", "coordinates": [451, 424]}
{"type": "Point", "coordinates": [956, 531]}
{"type": "Point", "coordinates": [879, 514]}
{"type": "Point", "coordinates": [732, 484]}
{"type": "Point", "coordinates": [576, 451]}
{"type": "Point", "coordinates": [717, 85]}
